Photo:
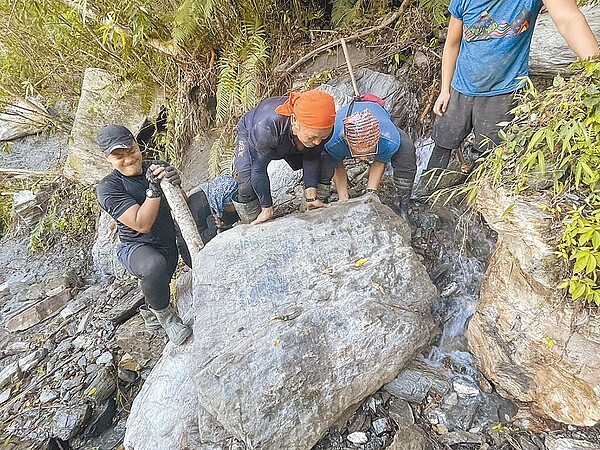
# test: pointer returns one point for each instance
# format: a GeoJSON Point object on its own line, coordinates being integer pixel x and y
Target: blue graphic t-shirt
{"type": "Point", "coordinates": [494, 51]}
{"type": "Point", "coordinates": [389, 142]}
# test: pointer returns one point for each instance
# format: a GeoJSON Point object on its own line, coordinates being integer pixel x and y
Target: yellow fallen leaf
{"type": "Point", "coordinates": [328, 271]}
{"type": "Point", "coordinates": [277, 342]}
{"type": "Point", "coordinates": [27, 404]}
{"type": "Point", "coordinates": [361, 262]}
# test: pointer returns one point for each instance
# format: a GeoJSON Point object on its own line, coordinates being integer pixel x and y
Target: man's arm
{"type": "Point", "coordinates": [141, 217]}
{"type": "Point", "coordinates": [375, 173]}
{"type": "Point", "coordinates": [341, 181]}
{"type": "Point", "coordinates": [573, 26]}
{"type": "Point", "coordinates": [449, 57]}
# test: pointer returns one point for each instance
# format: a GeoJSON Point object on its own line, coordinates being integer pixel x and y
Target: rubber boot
{"type": "Point", "coordinates": [402, 202]}
{"type": "Point", "coordinates": [247, 211]}
{"type": "Point", "coordinates": [323, 192]}
{"type": "Point", "coordinates": [150, 320]}
{"type": "Point", "coordinates": [177, 331]}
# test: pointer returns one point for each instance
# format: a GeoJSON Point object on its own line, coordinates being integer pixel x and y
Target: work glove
{"type": "Point", "coordinates": [153, 180]}
{"type": "Point", "coordinates": [172, 175]}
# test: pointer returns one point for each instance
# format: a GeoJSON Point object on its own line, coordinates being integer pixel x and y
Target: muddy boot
{"type": "Point", "coordinates": [402, 202]}
{"type": "Point", "coordinates": [323, 192]}
{"type": "Point", "coordinates": [247, 211]}
{"type": "Point", "coordinates": [150, 320]}
{"type": "Point", "coordinates": [177, 331]}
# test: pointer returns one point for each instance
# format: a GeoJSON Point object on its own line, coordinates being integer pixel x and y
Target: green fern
{"type": "Point", "coordinates": [437, 8]}
{"type": "Point", "coordinates": [222, 151]}
{"type": "Point", "coordinates": [185, 21]}
{"type": "Point", "coordinates": [240, 70]}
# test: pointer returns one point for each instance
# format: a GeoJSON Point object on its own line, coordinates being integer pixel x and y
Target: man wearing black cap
{"type": "Point", "coordinates": [131, 194]}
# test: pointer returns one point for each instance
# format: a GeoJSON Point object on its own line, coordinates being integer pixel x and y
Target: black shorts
{"type": "Point", "coordinates": [480, 114]}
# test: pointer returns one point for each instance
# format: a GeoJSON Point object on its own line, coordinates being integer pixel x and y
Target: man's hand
{"type": "Point", "coordinates": [153, 175]}
{"type": "Point", "coordinates": [315, 205]}
{"type": "Point", "coordinates": [172, 175]}
{"type": "Point", "coordinates": [441, 104]}
{"type": "Point", "coordinates": [265, 215]}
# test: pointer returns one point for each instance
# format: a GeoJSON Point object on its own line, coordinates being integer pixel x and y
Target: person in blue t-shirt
{"type": "Point", "coordinates": [364, 129]}
{"type": "Point", "coordinates": [485, 55]}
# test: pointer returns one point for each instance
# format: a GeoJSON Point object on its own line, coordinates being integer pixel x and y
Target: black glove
{"type": "Point", "coordinates": [153, 182]}
{"type": "Point", "coordinates": [172, 175]}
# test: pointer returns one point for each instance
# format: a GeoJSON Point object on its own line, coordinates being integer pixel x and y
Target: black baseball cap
{"type": "Point", "coordinates": [112, 137]}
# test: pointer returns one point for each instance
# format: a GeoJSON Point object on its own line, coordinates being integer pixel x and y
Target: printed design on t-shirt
{"type": "Point", "coordinates": [487, 28]}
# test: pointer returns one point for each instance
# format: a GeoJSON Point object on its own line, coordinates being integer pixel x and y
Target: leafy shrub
{"type": "Point", "coordinates": [553, 145]}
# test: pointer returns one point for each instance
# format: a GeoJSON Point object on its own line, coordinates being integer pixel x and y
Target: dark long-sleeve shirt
{"type": "Point", "coordinates": [268, 136]}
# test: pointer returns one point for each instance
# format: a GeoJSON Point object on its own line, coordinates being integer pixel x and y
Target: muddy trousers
{"type": "Point", "coordinates": [485, 116]}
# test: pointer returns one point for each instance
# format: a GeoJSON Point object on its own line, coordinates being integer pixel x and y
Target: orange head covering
{"type": "Point", "coordinates": [313, 109]}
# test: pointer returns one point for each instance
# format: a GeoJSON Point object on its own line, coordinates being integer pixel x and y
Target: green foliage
{"type": "Point", "coordinates": [72, 212]}
{"type": "Point", "coordinates": [553, 145]}
{"type": "Point", "coordinates": [348, 12]}
{"type": "Point", "coordinates": [6, 203]}
{"type": "Point", "coordinates": [318, 78]}
{"type": "Point", "coordinates": [241, 65]}
{"type": "Point", "coordinates": [437, 9]}
{"type": "Point", "coordinates": [222, 152]}
{"type": "Point", "coordinates": [580, 247]}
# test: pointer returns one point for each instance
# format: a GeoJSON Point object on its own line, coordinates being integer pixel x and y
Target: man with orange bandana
{"type": "Point", "coordinates": [292, 128]}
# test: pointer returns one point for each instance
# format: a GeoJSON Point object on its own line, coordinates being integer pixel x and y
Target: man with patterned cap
{"type": "Point", "coordinates": [364, 130]}
{"type": "Point", "coordinates": [292, 128]}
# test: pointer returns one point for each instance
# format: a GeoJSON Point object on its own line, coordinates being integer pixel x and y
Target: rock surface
{"type": "Point", "coordinates": [332, 305]}
{"type": "Point", "coordinates": [550, 53]}
{"type": "Point", "coordinates": [104, 99]}
{"type": "Point", "coordinates": [533, 345]}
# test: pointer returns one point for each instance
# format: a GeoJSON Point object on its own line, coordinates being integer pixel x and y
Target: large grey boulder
{"type": "Point", "coordinates": [104, 250]}
{"type": "Point", "coordinates": [550, 53]}
{"type": "Point", "coordinates": [296, 320]}
{"type": "Point", "coordinates": [533, 344]}
{"type": "Point", "coordinates": [105, 98]}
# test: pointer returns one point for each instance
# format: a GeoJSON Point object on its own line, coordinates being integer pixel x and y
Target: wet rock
{"type": "Point", "coordinates": [380, 426]}
{"type": "Point", "coordinates": [413, 383]}
{"type": "Point", "coordinates": [401, 412]}
{"type": "Point", "coordinates": [358, 438]}
{"type": "Point", "coordinates": [460, 437]}
{"type": "Point", "coordinates": [465, 388]}
{"type": "Point", "coordinates": [411, 438]}
{"type": "Point", "coordinates": [569, 444]}
{"type": "Point", "coordinates": [101, 418]}
{"type": "Point", "coordinates": [68, 421]}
